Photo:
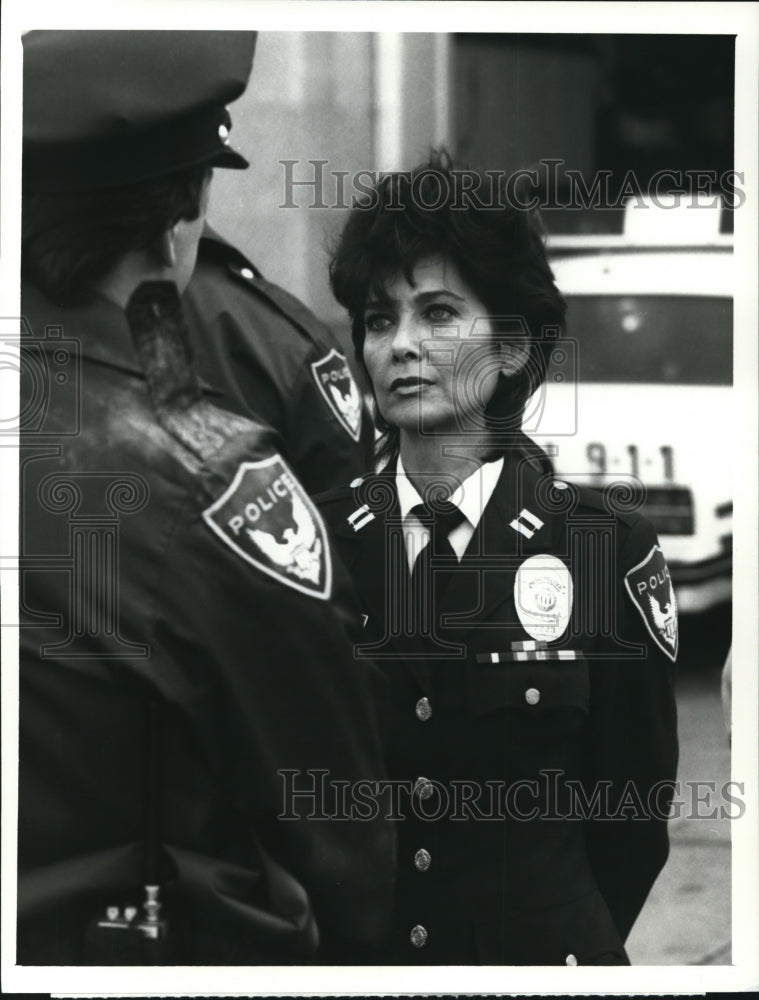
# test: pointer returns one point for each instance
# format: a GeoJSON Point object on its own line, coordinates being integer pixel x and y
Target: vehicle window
{"type": "Point", "coordinates": [676, 340]}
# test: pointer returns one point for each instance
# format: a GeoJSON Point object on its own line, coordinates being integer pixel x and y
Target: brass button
{"type": "Point", "coordinates": [532, 696]}
{"type": "Point", "coordinates": [419, 936]}
{"type": "Point", "coordinates": [422, 859]}
{"type": "Point", "coordinates": [423, 788]}
{"type": "Point", "coordinates": [423, 709]}
{"type": "Point", "coordinates": [246, 273]}
{"type": "Point", "coordinates": [571, 960]}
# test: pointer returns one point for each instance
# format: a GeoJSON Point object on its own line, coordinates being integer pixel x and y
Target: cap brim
{"type": "Point", "coordinates": [230, 159]}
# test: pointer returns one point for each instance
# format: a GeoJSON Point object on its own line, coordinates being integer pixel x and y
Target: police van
{"type": "Point", "coordinates": [640, 393]}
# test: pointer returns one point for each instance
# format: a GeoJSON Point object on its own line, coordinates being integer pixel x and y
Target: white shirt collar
{"type": "Point", "coordinates": [408, 496]}
{"type": "Point", "coordinates": [471, 496]}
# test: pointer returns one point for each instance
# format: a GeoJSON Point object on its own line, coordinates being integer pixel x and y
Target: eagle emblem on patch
{"type": "Point", "coordinates": [268, 519]}
{"type": "Point", "coordinates": [650, 587]}
{"type": "Point", "coordinates": [338, 387]}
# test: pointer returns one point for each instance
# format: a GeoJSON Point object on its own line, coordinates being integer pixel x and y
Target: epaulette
{"type": "Point", "coordinates": [604, 501]}
{"type": "Point", "coordinates": [288, 305]}
{"type": "Point", "coordinates": [224, 252]}
{"type": "Point", "coordinates": [338, 493]}
{"type": "Point", "coordinates": [355, 513]}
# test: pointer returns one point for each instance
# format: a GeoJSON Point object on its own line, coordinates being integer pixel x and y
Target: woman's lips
{"type": "Point", "coordinates": [409, 385]}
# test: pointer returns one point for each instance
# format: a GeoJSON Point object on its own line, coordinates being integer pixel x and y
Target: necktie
{"type": "Point", "coordinates": [426, 588]}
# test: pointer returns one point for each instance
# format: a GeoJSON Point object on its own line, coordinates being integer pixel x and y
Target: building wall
{"type": "Point", "coordinates": [360, 101]}
{"type": "Point", "coordinates": [310, 97]}
{"type": "Point", "coordinates": [378, 101]}
{"type": "Point", "coordinates": [525, 98]}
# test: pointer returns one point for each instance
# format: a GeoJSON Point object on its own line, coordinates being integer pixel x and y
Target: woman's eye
{"type": "Point", "coordinates": [440, 313]}
{"type": "Point", "coordinates": [377, 323]}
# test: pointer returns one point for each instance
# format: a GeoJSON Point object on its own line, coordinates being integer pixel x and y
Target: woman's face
{"type": "Point", "coordinates": [430, 352]}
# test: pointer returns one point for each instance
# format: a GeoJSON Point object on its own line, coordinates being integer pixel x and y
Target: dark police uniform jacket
{"type": "Point", "coordinates": [273, 360]}
{"type": "Point", "coordinates": [169, 557]}
{"type": "Point", "coordinates": [534, 774]}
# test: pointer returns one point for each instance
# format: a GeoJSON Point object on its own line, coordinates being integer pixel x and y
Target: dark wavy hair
{"type": "Point", "coordinates": [464, 216]}
{"type": "Point", "coordinates": [69, 241]}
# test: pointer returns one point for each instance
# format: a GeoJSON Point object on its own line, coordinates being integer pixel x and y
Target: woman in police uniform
{"type": "Point", "coordinates": [527, 628]}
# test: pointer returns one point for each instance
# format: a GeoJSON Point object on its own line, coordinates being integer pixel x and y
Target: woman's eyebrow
{"type": "Point", "coordinates": [435, 293]}
{"type": "Point", "coordinates": [421, 298]}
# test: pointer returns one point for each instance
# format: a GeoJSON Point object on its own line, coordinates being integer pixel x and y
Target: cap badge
{"type": "Point", "coordinates": [224, 134]}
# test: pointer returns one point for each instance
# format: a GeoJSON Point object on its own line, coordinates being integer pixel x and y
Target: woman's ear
{"type": "Point", "coordinates": [166, 247]}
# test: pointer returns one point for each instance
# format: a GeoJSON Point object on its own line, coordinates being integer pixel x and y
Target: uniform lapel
{"type": "Point", "coordinates": [514, 526]}
{"type": "Point", "coordinates": [380, 568]}
{"type": "Point", "coordinates": [362, 548]}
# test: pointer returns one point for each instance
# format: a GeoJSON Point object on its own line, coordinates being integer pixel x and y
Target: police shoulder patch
{"type": "Point", "coordinates": [268, 519]}
{"type": "Point", "coordinates": [338, 387]}
{"type": "Point", "coordinates": [650, 587]}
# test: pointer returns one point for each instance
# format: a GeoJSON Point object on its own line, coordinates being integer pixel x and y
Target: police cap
{"type": "Point", "coordinates": [108, 108]}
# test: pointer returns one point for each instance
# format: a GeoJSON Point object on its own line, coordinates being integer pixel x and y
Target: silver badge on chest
{"type": "Point", "coordinates": [543, 597]}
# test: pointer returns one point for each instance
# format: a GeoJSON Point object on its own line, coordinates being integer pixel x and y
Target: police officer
{"type": "Point", "coordinates": [185, 660]}
{"type": "Point", "coordinates": [527, 629]}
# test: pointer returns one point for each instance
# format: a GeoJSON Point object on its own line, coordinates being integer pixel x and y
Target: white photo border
{"type": "Point", "coordinates": [740, 19]}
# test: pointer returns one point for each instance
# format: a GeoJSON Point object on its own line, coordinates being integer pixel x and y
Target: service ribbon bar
{"type": "Point", "coordinates": [514, 656]}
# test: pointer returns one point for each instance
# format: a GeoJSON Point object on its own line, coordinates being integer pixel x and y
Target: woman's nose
{"type": "Point", "coordinates": [406, 340]}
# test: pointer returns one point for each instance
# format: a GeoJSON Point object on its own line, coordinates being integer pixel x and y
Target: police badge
{"type": "Point", "coordinates": [650, 587]}
{"type": "Point", "coordinates": [268, 519]}
{"type": "Point", "coordinates": [336, 384]}
{"type": "Point", "coordinates": [543, 594]}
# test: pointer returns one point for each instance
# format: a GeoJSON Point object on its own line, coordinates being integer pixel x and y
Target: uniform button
{"type": "Point", "coordinates": [422, 859]}
{"type": "Point", "coordinates": [423, 709]}
{"type": "Point", "coordinates": [532, 696]}
{"type": "Point", "coordinates": [247, 273]}
{"type": "Point", "coordinates": [419, 936]}
{"type": "Point", "coordinates": [571, 960]}
{"type": "Point", "coordinates": [423, 788]}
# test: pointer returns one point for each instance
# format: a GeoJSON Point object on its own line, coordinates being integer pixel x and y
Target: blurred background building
{"type": "Point", "coordinates": [378, 101]}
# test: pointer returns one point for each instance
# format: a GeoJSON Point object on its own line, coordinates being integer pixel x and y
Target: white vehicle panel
{"type": "Point", "coordinates": [652, 406]}
{"type": "Point", "coordinates": [707, 272]}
